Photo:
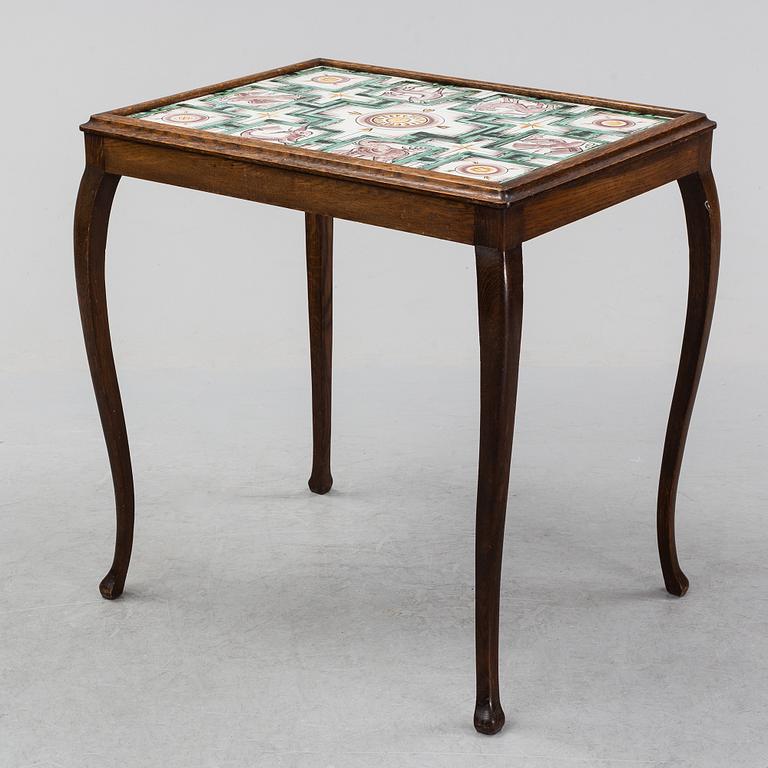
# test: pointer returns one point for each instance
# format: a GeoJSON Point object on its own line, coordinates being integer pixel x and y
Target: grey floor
{"type": "Point", "coordinates": [265, 626]}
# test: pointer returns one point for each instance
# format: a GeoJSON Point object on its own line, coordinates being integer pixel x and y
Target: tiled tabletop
{"type": "Point", "coordinates": [462, 131]}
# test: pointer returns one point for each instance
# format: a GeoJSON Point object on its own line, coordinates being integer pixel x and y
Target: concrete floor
{"type": "Point", "coordinates": [265, 626]}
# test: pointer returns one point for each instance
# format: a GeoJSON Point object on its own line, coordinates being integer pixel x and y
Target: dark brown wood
{"type": "Point", "coordinates": [542, 207]}
{"type": "Point", "coordinates": [702, 213]}
{"type": "Point", "coordinates": [401, 209]}
{"type": "Point", "coordinates": [500, 312]}
{"type": "Point", "coordinates": [495, 218]}
{"type": "Point", "coordinates": [94, 201]}
{"type": "Point", "coordinates": [607, 185]}
{"type": "Point", "coordinates": [325, 164]}
{"type": "Point", "coordinates": [320, 296]}
{"type": "Point", "coordinates": [397, 176]}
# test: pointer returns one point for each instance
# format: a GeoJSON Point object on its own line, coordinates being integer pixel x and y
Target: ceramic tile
{"type": "Point", "coordinates": [467, 132]}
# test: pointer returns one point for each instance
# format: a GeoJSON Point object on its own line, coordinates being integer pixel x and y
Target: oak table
{"type": "Point", "coordinates": [473, 162]}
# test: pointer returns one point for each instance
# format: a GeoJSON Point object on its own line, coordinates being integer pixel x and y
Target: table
{"type": "Point", "coordinates": [479, 163]}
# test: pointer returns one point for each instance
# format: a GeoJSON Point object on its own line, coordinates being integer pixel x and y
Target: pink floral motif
{"type": "Point", "coordinates": [383, 151]}
{"type": "Point", "coordinates": [415, 93]}
{"type": "Point", "coordinates": [259, 98]}
{"type": "Point", "coordinates": [508, 105]}
{"type": "Point", "coordinates": [281, 134]}
{"type": "Point", "coordinates": [549, 145]}
{"type": "Point", "coordinates": [396, 119]}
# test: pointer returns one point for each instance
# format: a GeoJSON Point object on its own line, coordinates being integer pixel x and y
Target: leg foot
{"type": "Point", "coordinates": [320, 299]}
{"type": "Point", "coordinates": [112, 584]}
{"type": "Point", "coordinates": [702, 214]}
{"type": "Point", "coordinates": [676, 583]}
{"type": "Point", "coordinates": [489, 717]}
{"type": "Point", "coordinates": [320, 485]}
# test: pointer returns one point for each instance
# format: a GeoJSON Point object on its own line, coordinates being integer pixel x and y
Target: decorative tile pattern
{"type": "Point", "coordinates": [462, 131]}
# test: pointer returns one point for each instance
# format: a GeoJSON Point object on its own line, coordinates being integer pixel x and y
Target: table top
{"type": "Point", "coordinates": [398, 127]}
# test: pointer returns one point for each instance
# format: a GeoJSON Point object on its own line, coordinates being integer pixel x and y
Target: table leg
{"type": "Point", "coordinates": [702, 214]}
{"type": "Point", "coordinates": [500, 309]}
{"type": "Point", "coordinates": [94, 201]}
{"type": "Point", "coordinates": [320, 295]}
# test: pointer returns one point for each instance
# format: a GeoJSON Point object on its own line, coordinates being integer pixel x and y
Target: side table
{"type": "Point", "coordinates": [480, 163]}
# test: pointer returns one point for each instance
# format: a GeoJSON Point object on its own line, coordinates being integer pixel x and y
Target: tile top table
{"type": "Point", "coordinates": [473, 162]}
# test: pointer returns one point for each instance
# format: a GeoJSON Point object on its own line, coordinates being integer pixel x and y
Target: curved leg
{"type": "Point", "coordinates": [500, 308]}
{"type": "Point", "coordinates": [320, 296]}
{"type": "Point", "coordinates": [94, 201]}
{"type": "Point", "coordinates": [702, 214]}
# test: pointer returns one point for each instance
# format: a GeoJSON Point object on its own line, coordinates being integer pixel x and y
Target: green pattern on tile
{"type": "Point", "coordinates": [467, 132]}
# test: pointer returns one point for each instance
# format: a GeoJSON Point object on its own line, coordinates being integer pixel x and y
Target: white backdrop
{"type": "Point", "coordinates": [263, 626]}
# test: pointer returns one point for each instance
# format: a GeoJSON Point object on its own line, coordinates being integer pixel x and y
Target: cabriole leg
{"type": "Point", "coordinates": [94, 201]}
{"type": "Point", "coordinates": [500, 308]}
{"type": "Point", "coordinates": [702, 215]}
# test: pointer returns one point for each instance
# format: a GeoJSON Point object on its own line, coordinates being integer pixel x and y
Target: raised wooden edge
{"type": "Point", "coordinates": [441, 185]}
{"type": "Point", "coordinates": [116, 123]}
{"type": "Point", "coordinates": [550, 207]}
{"type": "Point", "coordinates": [215, 88]}
{"type": "Point", "coordinates": [504, 88]}
{"type": "Point", "coordinates": [536, 183]}
{"type": "Point", "coordinates": [553, 206]}
{"type": "Point", "coordinates": [309, 161]}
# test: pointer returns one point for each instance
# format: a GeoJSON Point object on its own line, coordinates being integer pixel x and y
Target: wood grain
{"type": "Point", "coordinates": [319, 232]}
{"type": "Point", "coordinates": [118, 123]}
{"type": "Point", "coordinates": [94, 202]}
{"type": "Point", "coordinates": [406, 210]}
{"type": "Point", "coordinates": [495, 218]}
{"type": "Point", "coordinates": [500, 311]}
{"type": "Point", "coordinates": [702, 212]}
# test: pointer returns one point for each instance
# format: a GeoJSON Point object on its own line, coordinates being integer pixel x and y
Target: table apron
{"type": "Point", "coordinates": [567, 202]}
{"type": "Point", "coordinates": [403, 210]}
{"type": "Point", "coordinates": [541, 211]}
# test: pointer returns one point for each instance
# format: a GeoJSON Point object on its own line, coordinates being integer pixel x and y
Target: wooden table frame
{"type": "Point", "coordinates": [495, 218]}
